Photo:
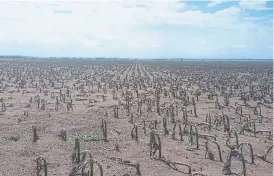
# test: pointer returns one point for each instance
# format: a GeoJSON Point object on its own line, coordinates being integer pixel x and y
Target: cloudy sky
{"type": "Point", "coordinates": [139, 29]}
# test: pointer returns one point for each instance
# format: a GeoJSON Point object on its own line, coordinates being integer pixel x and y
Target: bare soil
{"type": "Point", "coordinates": [96, 88]}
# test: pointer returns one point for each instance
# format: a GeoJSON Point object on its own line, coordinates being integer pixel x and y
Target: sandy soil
{"type": "Point", "coordinates": [22, 81]}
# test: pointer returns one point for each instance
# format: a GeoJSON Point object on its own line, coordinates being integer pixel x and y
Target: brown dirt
{"type": "Point", "coordinates": [17, 158]}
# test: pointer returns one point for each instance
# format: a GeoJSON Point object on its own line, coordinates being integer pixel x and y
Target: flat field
{"type": "Point", "coordinates": [125, 118]}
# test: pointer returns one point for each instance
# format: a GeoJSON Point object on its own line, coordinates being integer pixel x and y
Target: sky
{"type": "Point", "coordinates": [137, 29]}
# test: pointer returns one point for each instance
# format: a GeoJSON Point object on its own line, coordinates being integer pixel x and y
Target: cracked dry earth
{"type": "Point", "coordinates": [238, 97]}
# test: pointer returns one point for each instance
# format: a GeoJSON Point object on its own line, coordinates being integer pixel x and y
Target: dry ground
{"type": "Point", "coordinates": [23, 80]}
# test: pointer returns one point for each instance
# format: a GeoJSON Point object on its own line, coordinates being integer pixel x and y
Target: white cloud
{"type": "Point", "coordinates": [107, 26]}
{"type": "Point", "coordinates": [253, 4]}
{"type": "Point", "coordinates": [215, 2]}
{"type": "Point", "coordinates": [202, 41]}
{"type": "Point", "coordinates": [99, 20]}
{"type": "Point", "coordinates": [241, 46]}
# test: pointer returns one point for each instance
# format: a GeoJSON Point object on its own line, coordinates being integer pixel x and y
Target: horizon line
{"type": "Point", "coordinates": [136, 58]}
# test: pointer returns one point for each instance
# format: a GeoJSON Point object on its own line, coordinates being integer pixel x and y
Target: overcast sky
{"type": "Point", "coordinates": [139, 29]}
